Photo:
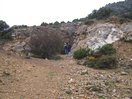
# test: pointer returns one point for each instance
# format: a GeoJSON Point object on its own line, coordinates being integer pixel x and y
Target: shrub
{"type": "Point", "coordinates": [56, 24]}
{"type": "Point", "coordinates": [75, 20]}
{"type": "Point", "coordinates": [46, 42]}
{"type": "Point", "coordinates": [3, 25]}
{"type": "Point", "coordinates": [44, 24]}
{"type": "Point", "coordinates": [107, 49]}
{"type": "Point", "coordinates": [103, 62]}
{"type": "Point", "coordinates": [6, 34]}
{"type": "Point", "coordinates": [81, 53]}
{"type": "Point", "coordinates": [103, 58]}
{"type": "Point", "coordinates": [5, 31]}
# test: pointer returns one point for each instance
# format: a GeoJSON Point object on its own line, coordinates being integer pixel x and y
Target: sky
{"type": "Point", "coordinates": [34, 12]}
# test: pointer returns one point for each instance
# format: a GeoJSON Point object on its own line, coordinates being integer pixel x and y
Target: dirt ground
{"type": "Point", "coordinates": [33, 78]}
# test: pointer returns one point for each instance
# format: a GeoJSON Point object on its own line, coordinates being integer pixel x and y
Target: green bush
{"type": "Point", "coordinates": [5, 31]}
{"type": "Point", "coordinates": [103, 62]}
{"type": "Point", "coordinates": [107, 49]}
{"type": "Point", "coordinates": [81, 53]}
{"type": "Point", "coordinates": [3, 26]}
{"type": "Point", "coordinates": [106, 59]}
{"type": "Point", "coordinates": [6, 34]}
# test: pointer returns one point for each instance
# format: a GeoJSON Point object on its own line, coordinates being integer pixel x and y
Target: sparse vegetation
{"type": "Point", "coordinates": [104, 61]}
{"type": "Point", "coordinates": [104, 58]}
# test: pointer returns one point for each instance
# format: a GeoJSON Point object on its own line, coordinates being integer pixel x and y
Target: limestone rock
{"type": "Point", "coordinates": [84, 72]}
{"type": "Point", "coordinates": [97, 35]}
{"type": "Point", "coordinates": [124, 73]}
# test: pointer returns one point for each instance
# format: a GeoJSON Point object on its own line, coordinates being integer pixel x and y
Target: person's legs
{"type": "Point", "coordinates": [65, 50]}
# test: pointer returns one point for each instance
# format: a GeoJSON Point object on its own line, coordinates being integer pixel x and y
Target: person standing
{"type": "Point", "coordinates": [65, 48]}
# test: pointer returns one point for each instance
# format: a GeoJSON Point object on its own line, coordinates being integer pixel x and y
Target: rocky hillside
{"type": "Point", "coordinates": [63, 79]}
{"type": "Point", "coordinates": [122, 9]}
{"type": "Point", "coordinates": [22, 34]}
{"type": "Point", "coordinates": [101, 33]}
{"type": "Point", "coordinates": [84, 35]}
{"type": "Point", "coordinates": [35, 78]}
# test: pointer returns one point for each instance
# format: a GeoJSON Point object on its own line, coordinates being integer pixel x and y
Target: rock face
{"type": "Point", "coordinates": [22, 36]}
{"type": "Point", "coordinates": [100, 34]}
{"type": "Point", "coordinates": [69, 27]}
{"type": "Point", "coordinates": [128, 37]}
{"type": "Point", "coordinates": [127, 28]}
{"type": "Point", "coordinates": [69, 30]}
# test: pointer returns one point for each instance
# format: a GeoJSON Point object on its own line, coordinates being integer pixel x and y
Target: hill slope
{"type": "Point", "coordinates": [63, 79]}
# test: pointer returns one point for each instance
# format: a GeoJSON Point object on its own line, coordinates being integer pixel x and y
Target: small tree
{"type": "Point", "coordinates": [3, 25]}
{"type": "Point", "coordinates": [93, 14]}
{"type": "Point", "coordinates": [5, 31]}
{"type": "Point", "coordinates": [44, 24]}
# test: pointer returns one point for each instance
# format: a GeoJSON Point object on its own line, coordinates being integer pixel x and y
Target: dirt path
{"type": "Point", "coordinates": [31, 78]}
{"type": "Point", "coordinates": [22, 78]}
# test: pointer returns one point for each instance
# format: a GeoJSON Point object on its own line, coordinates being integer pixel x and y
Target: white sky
{"type": "Point", "coordinates": [34, 12]}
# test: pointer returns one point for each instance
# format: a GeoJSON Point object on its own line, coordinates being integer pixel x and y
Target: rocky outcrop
{"type": "Point", "coordinates": [70, 28]}
{"type": "Point", "coordinates": [22, 36]}
{"type": "Point", "coordinates": [128, 37]}
{"type": "Point", "coordinates": [127, 29]}
{"type": "Point", "coordinates": [97, 35]}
